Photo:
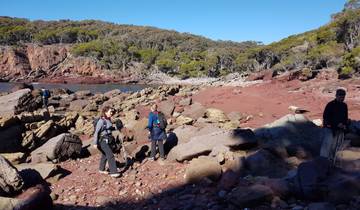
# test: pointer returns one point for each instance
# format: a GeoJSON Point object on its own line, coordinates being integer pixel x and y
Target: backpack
{"type": "Point", "coordinates": [162, 121]}
{"type": "Point", "coordinates": [96, 120]}
{"type": "Point", "coordinates": [46, 93]}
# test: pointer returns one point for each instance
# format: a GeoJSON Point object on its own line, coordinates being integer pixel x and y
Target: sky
{"type": "Point", "coordinates": [236, 20]}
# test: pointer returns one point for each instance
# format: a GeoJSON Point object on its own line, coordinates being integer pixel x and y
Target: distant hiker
{"type": "Point", "coordinates": [103, 139]}
{"type": "Point", "coordinates": [45, 95]}
{"type": "Point", "coordinates": [156, 125]}
{"type": "Point", "coordinates": [335, 123]}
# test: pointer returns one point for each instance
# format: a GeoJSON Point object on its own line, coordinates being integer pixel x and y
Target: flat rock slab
{"type": "Point", "coordinates": [204, 144]}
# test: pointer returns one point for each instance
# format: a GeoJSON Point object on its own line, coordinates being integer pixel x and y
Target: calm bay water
{"type": "Point", "coordinates": [94, 88]}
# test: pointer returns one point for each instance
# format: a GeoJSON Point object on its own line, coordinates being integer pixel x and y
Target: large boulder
{"type": "Point", "coordinates": [194, 111]}
{"type": "Point", "coordinates": [294, 132]}
{"type": "Point", "coordinates": [258, 164]}
{"type": "Point", "coordinates": [37, 197]}
{"type": "Point", "coordinates": [78, 105]}
{"type": "Point", "coordinates": [10, 139]}
{"type": "Point", "coordinates": [10, 180]}
{"type": "Point", "coordinates": [349, 159]}
{"type": "Point", "coordinates": [167, 107]}
{"type": "Point", "coordinates": [202, 167]}
{"type": "Point", "coordinates": [309, 176]}
{"type": "Point", "coordinates": [204, 144]}
{"type": "Point", "coordinates": [59, 148]}
{"type": "Point", "coordinates": [17, 102]}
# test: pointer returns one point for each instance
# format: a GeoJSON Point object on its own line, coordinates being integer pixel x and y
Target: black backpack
{"type": "Point", "coordinates": [162, 121]}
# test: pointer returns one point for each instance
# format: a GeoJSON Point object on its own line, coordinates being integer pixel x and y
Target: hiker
{"type": "Point", "coordinates": [45, 95]}
{"type": "Point", "coordinates": [103, 139]}
{"type": "Point", "coordinates": [156, 125]}
{"type": "Point", "coordinates": [335, 123]}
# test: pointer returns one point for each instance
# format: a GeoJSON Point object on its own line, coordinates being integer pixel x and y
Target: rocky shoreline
{"type": "Point", "coordinates": [223, 152]}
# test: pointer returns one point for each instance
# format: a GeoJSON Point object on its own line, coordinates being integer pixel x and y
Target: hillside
{"type": "Point", "coordinates": [34, 50]}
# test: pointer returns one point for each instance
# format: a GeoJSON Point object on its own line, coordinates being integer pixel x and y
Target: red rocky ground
{"type": "Point", "coordinates": [150, 185]}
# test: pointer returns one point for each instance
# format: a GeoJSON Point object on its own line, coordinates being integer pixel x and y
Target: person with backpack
{"type": "Point", "coordinates": [45, 95]}
{"type": "Point", "coordinates": [157, 124]}
{"type": "Point", "coordinates": [335, 123]}
{"type": "Point", "coordinates": [103, 139]}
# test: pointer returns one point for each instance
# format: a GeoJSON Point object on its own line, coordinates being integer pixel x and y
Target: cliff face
{"type": "Point", "coordinates": [45, 63]}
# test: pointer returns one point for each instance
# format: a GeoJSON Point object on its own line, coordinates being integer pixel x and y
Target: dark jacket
{"type": "Point", "coordinates": [153, 125]}
{"type": "Point", "coordinates": [335, 113]}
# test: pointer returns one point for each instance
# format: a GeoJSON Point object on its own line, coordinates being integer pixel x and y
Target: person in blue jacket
{"type": "Point", "coordinates": [157, 134]}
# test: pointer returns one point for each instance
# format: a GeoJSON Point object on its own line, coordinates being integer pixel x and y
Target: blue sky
{"type": "Point", "coordinates": [236, 20]}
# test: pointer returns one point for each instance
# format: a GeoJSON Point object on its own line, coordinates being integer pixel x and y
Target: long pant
{"type": "Point", "coordinates": [45, 102]}
{"type": "Point", "coordinates": [107, 155]}
{"type": "Point", "coordinates": [331, 143]}
{"type": "Point", "coordinates": [153, 148]}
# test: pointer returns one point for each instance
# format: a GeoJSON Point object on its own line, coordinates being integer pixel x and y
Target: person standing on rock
{"type": "Point", "coordinates": [335, 123]}
{"type": "Point", "coordinates": [103, 138]}
{"type": "Point", "coordinates": [156, 125]}
{"type": "Point", "coordinates": [45, 95]}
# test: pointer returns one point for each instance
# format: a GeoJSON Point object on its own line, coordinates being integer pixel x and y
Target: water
{"type": "Point", "coordinates": [94, 88]}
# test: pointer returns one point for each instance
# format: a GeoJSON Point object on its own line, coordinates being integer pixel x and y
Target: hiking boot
{"type": "Point", "coordinates": [151, 159]}
{"type": "Point", "coordinates": [103, 172]}
{"type": "Point", "coordinates": [115, 175]}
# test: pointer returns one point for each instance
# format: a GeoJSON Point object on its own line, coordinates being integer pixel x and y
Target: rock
{"type": "Point", "coordinates": [349, 159]}
{"type": "Point", "coordinates": [321, 206]}
{"type": "Point", "coordinates": [199, 145]}
{"type": "Point", "coordinates": [45, 170]}
{"type": "Point", "coordinates": [78, 105]}
{"type": "Point", "coordinates": [36, 116]}
{"type": "Point", "coordinates": [202, 167]}
{"type": "Point", "coordinates": [167, 107]}
{"type": "Point", "coordinates": [8, 121]}
{"type": "Point", "coordinates": [10, 180]}
{"type": "Point", "coordinates": [215, 115]}
{"type": "Point", "coordinates": [258, 164]}
{"type": "Point", "coordinates": [185, 132]}
{"type": "Point", "coordinates": [195, 111]}
{"type": "Point", "coordinates": [341, 187]}
{"type": "Point", "coordinates": [309, 176]}
{"type": "Point", "coordinates": [318, 122]}
{"type": "Point", "coordinates": [37, 197]}
{"type": "Point", "coordinates": [245, 197]}
{"type": "Point", "coordinates": [140, 131]}
{"type": "Point", "coordinates": [59, 148]}
{"type": "Point", "coordinates": [10, 140]}
{"type": "Point", "coordinates": [235, 116]}
{"type": "Point", "coordinates": [81, 94]}
{"type": "Point", "coordinates": [293, 131]}
{"type": "Point", "coordinates": [112, 93]}
{"type": "Point", "coordinates": [68, 121]}
{"type": "Point", "coordinates": [181, 120]}
{"type": "Point", "coordinates": [84, 126]}
{"type": "Point", "coordinates": [17, 102]}
{"type": "Point", "coordinates": [297, 110]}
{"type": "Point", "coordinates": [185, 102]}
{"type": "Point", "coordinates": [280, 187]}
{"type": "Point", "coordinates": [228, 180]}
{"type": "Point", "coordinates": [173, 90]}
{"type": "Point", "coordinates": [14, 158]}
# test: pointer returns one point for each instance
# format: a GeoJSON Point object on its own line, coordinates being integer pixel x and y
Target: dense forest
{"type": "Point", "coordinates": [114, 46]}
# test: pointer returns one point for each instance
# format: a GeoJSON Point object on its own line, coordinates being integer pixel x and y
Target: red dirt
{"type": "Point", "coordinates": [269, 101]}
